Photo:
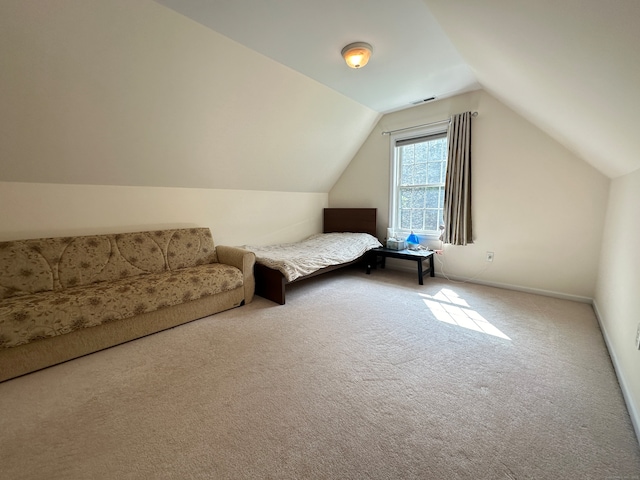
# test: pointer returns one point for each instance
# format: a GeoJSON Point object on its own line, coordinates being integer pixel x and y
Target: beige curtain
{"type": "Point", "coordinates": [457, 196]}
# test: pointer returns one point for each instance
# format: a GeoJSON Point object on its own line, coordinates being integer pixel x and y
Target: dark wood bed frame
{"type": "Point", "coordinates": [271, 283]}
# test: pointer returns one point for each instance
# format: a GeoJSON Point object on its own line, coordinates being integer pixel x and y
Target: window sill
{"type": "Point", "coordinates": [422, 236]}
{"type": "Point", "coordinates": [429, 240]}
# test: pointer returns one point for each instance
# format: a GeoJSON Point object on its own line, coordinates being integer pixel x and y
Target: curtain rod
{"type": "Point", "coordinates": [474, 114]}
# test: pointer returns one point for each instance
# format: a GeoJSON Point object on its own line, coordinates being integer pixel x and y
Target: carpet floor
{"type": "Point", "coordinates": [356, 377]}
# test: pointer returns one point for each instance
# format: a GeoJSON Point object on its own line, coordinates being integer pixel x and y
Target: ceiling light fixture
{"type": "Point", "coordinates": [357, 54]}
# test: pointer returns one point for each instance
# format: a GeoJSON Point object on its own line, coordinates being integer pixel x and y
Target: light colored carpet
{"type": "Point", "coordinates": [356, 377]}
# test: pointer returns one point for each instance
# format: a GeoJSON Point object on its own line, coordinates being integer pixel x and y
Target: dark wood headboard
{"type": "Point", "coordinates": [358, 220]}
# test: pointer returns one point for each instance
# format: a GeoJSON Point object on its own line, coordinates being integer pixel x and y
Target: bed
{"type": "Point", "coordinates": [341, 244]}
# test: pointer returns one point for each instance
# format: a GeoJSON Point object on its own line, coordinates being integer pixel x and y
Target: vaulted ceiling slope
{"type": "Point", "coordinates": [412, 58]}
{"type": "Point", "coordinates": [571, 67]}
{"type": "Point", "coordinates": [132, 93]}
{"type": "Point", "coordinates": [252, 95]}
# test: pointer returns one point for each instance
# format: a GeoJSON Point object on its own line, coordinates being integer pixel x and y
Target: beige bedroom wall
{"type": "Point", "coordinates": [617, 299]}
{"type": "Point", "coordinates": [235, 217]}
{"type": "Point", "coordinates": [537, 206]}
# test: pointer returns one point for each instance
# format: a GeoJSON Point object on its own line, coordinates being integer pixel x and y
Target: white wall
{"type": "Point", "coordinates": [235, 217]}
{"type": "Point", "coordinates": [617, 298]}
{"type": "Point", "coordinates": [539, 207]}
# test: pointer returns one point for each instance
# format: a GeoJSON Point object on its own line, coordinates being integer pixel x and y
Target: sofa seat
{"type": "Point", "coordinates": [26, 318]}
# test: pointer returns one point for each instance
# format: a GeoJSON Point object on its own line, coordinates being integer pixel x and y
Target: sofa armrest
{"type": "Point", "coordinates": [244, 260]}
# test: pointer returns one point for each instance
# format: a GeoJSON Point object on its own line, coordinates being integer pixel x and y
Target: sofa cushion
{"type": "Point", "coordinates": [46, 314]}
{"type": "Point", "coordinates": [46, 264]}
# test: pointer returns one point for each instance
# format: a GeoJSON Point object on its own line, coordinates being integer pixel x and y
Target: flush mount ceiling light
{"type": "Point", "coordinates": [357, 54]}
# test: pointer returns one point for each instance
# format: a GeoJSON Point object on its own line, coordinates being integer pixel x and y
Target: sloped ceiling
{"type": "Point", "coordinates": [571, 67]}
{"type": "Point", "coordinates": [412, 58]}
{"type": "Point", "coordinates": [132, 93]}
{"type": "Point", "coordinates": [154, 94]}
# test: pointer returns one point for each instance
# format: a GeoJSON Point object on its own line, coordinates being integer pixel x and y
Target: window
{"type": "Point", "coordinates": [419, 168]}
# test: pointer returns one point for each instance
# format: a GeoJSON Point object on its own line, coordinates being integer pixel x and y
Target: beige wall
{"type": "Point", "coordinates": [537, 206]}
{"type": "Point", "coordinates": [617, 298]}
{"type": "Point", "coordinates": [235, 217]}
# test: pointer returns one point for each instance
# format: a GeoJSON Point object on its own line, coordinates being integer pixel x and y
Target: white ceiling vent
{"type": "Point", "coordinates": [424, 100]}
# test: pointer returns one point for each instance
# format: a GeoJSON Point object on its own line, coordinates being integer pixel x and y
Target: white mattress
{"type": "Point", "coordinates": [318, 251]}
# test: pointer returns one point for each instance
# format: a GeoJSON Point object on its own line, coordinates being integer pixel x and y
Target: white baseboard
{"type": "Point", "coordinates": [506, 286]}
{"type": "Point", "coordinates": [520, 288]}
{"type": "Point", "coordinates": [633, 411]}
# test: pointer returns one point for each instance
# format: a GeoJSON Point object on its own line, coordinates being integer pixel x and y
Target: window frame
{"type": "Point", "coordinates": [435, 129]}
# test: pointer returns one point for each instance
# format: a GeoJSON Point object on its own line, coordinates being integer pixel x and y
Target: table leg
{"type": "Point", "coordinates": [420, 271]}
{"type": "Point", "coordinates": [432, 272]}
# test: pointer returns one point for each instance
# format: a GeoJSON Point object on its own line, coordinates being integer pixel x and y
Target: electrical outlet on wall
{"type": "Point", "coordinates": [638, 337]}
{"type": "Point", "coordinates": [489, 256]}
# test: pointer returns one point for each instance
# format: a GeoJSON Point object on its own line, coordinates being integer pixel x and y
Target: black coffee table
{"type": "Point", "coordinates": [379, 255]}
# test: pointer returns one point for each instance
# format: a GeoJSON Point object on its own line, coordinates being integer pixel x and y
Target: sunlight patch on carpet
{"type": "Point", "coordinates": [450, 308]}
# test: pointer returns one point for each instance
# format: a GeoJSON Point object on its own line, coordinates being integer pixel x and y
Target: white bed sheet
{"type": "Point", "coordinates": [318, 251]}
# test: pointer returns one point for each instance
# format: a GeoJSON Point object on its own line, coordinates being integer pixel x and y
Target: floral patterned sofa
{"type": "Point", "coordinates": [61, 298]}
